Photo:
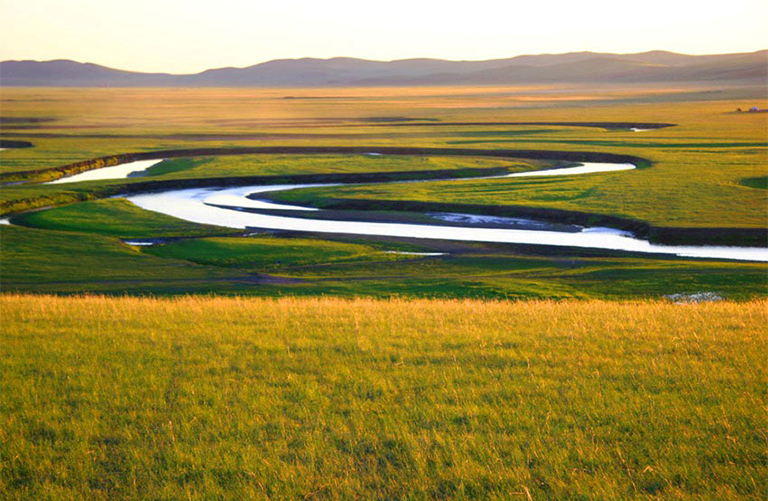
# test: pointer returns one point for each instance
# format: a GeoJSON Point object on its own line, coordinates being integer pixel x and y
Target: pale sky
{"type": "Point", "coordinates": [188, 36]}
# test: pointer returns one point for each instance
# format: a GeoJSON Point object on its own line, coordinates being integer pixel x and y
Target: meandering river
{"type": "Point", "coordinates": [232, 208]}
{"type": "Point", "coordinates": [224, 207]}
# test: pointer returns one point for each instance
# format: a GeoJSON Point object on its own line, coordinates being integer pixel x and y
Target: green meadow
{"type": "Point", "coordinates": [224, 363]}
{"type": "Point", "coordinates": [84, 252]}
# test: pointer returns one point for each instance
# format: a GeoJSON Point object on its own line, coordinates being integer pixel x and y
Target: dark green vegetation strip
{"type": "Point", "coordinates": [25, 120]}
{"type": "Point", "coordinates": [552, 215]}
{"type": "Point", "coordinates": [622, 144]}
{"type": "Point", "coordinates": [8, 143]}
{"type": "Point", "coordinates": [177, 165]}
{"type": "Point", "coordinates": [599, 125]}
{"type": "Point", "coordinates": [760, 182]}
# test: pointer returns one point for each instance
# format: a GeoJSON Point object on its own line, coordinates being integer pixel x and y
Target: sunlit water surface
{"type": "Point", "coordinates": [121, 171]}
{"type": "Point", "coordinates": [223, 207]}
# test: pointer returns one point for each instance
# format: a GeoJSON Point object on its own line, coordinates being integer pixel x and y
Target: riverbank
{"type": "Point", "coordinates": [757, 237]}
{"type": "Point", "coordinates": [50, 174]}
{"type": "Point", "coordinates": [752, 237]}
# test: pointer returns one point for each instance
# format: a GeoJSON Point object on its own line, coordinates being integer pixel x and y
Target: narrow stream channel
{"type": "Point", "coordinates": [121, 171]}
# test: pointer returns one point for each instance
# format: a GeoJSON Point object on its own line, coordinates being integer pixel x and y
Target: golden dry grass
{"type": "Point", "coordinates": [328, 398]}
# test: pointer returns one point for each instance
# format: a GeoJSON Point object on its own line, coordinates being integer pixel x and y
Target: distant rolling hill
{"type": "Point", "coordinates": [575, 67]}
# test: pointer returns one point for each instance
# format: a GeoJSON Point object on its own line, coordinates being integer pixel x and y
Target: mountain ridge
{"type": "Point", "coordinates": [585, 66]}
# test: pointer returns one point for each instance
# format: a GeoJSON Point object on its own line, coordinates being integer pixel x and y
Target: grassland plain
{"type": "Point", "coordinates": [208, 396]}
{"type": "Point", "coordinates": [702, 175]}
{"type": "Point", "coordinates": [326, 398]}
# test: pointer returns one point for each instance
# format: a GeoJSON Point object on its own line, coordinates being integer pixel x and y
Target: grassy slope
{"type": "Point", "coordinates": [289, 398]}
{"type": "Point", "coordinates": [760, 182]}
{"type": "Point", "coordinates": [278, 165]}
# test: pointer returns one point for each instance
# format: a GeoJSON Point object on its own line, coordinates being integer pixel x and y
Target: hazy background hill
{"type": "Point", "coordinates": [577, 67]}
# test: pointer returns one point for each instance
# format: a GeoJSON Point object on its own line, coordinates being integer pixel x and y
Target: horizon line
{"type": "Point", "coordinates": [383, 60]}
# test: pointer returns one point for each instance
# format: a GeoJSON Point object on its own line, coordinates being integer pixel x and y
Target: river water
{"type": "Point", "coordinates": [223, 207]}
{"type": "Point", "coordinates": [121, 171]}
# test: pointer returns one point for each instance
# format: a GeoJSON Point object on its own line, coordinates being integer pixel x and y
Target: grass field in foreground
{"type": "Point", "coordinates": [328, 398]}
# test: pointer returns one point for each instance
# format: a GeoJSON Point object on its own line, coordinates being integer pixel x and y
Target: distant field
{"type": "Point", "coordinates": [303, 398]}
